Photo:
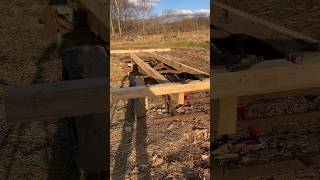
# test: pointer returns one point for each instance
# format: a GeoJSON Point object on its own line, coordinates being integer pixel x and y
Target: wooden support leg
{"type": "Point", "coordinates": [140, 103]}
{"type": "Point", "coordinates": [225, 116]}
{"type": "Point", "coordinates": [173, 101]}
{"type": "Point", "coordinates": [180, 98]}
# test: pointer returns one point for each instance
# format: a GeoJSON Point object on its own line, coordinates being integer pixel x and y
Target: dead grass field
{"type": "Point", "coordinates": [197, 39]}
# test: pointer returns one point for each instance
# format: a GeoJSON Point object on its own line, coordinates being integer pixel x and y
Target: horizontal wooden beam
{"type": "Point", "coordinates": [159, 89]}
{"type": "Point", "coordinates": [129, 51]}
{"type": "Point", "coordinates": [56, 100]}
{"type": "Point", "coordinates": [179, 66]}
{"type": "Point", "coordinates": [79, 97]}
{"type": "Point", "coordinates": [149, 70]}
{"type": "Point", "coordinates": [236, 21]}
{"type": "Point", "coordinates": [266, 80]}
{"type": "Point", "coordinates": [98, 16]}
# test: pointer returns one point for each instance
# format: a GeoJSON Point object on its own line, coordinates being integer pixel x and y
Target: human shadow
{"type": "Point", "coordinates": [125, 147]}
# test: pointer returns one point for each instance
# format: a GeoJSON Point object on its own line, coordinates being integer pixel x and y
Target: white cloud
{"type": "Point", "coordinates": [192, 12]}
{"type": "Point", "coordinates": [202, 11]}
{"type": "Point", "coordinates": [184, 12]}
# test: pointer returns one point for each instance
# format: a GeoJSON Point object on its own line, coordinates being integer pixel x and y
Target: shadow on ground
{"type": "Point", "coordinates": [125, 148]}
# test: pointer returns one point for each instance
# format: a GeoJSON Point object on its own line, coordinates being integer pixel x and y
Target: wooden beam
{"type": "Point", "coordinates": [236, 21]}
{"type": "Point", "coordinates": [225, 116]}
{"type": "Point", "coordinates": [159, 66]}
{"type": "Point", "coordinates": [180, 98]}
{"type": "Point", "coordinates": [179, 66]}
{"type": "Point", "coordinates": [79, 97]}
{"type": "Point", "coordinates": [266, 80]}
{"type": "Point", "coordinates": [149, 70]}
{"type": "Point", "coordinates": [172, 99]}
{"type": "Point", "coordinates": [98, 16]}
{"type": "Point", "coordinates": [159, 89]}
{"type": "Point", "coordinates": [129, 51]}
{"type": "Point", "coordinates": [55, 100]}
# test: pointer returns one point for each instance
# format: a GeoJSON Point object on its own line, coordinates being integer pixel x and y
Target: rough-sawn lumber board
{"type": "Point", "coordinates": [236, 21]}
{"type": "Point", "coordinates": [79, 97]}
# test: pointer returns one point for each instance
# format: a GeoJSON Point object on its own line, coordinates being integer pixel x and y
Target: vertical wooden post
{"type": "Point", "coordinates": [140, 103]}
{"type": "Point", "coordinates": [180, 98]}
{"type": "Point", "coordinates": [225, 116]}
{"type": "Point", "coordinates": [173, 100]}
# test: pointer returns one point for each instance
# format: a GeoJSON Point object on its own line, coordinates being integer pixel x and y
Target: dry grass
{"type": "Point", "coordinates": [196, 39]}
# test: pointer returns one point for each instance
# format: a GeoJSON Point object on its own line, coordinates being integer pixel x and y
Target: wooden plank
{"type": "Point", "coordinates": [225, 116]}
{"type": "Point", "coordinates": [159, 66]}
{"type": "Point", "coordinates": [79, 97]}
{"type": "Point", "coordinates": [172, 99]}
{"type": "Point", "coordinates": [55, 100]}
{"type": "Point", "coordinates": [149, 70]}
{"type": "Point", "coordinates": [179, 66]}
{"type": "Point", "coordinates": [98, 16]}
{"type": "Point", "coordinates": [159, 89]}
{"type": "Point", "coordinates": [129, 51]}
{"type": "Point", "coordinates": [259, 170]}
{"type": "Point", "coordinates": [169, 71]}
{"type": "Point", "coordinates": [266, 80]}
{"type": "Point", "coordinates": [236, 21]}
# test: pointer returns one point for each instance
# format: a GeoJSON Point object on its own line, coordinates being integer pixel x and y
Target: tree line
{"type": "Point", "coordinates": [136, 18]}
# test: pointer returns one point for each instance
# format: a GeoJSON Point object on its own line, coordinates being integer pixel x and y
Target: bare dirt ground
{"type": "Point", "coordinates": [149, 149]}
{"type": "Point", "coordinates": [290, 139]}
{"type": "Point", "coordinates": [36, 150]}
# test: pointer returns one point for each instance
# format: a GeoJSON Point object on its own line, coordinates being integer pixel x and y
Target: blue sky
{"type": "Point", "coordinates": [177, 5]}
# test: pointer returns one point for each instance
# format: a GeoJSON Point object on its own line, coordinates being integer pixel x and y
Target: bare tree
{"type": "Point", "coordinates": [111, 24]}
{"type": "Point", "coordinates": [168, 13]}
